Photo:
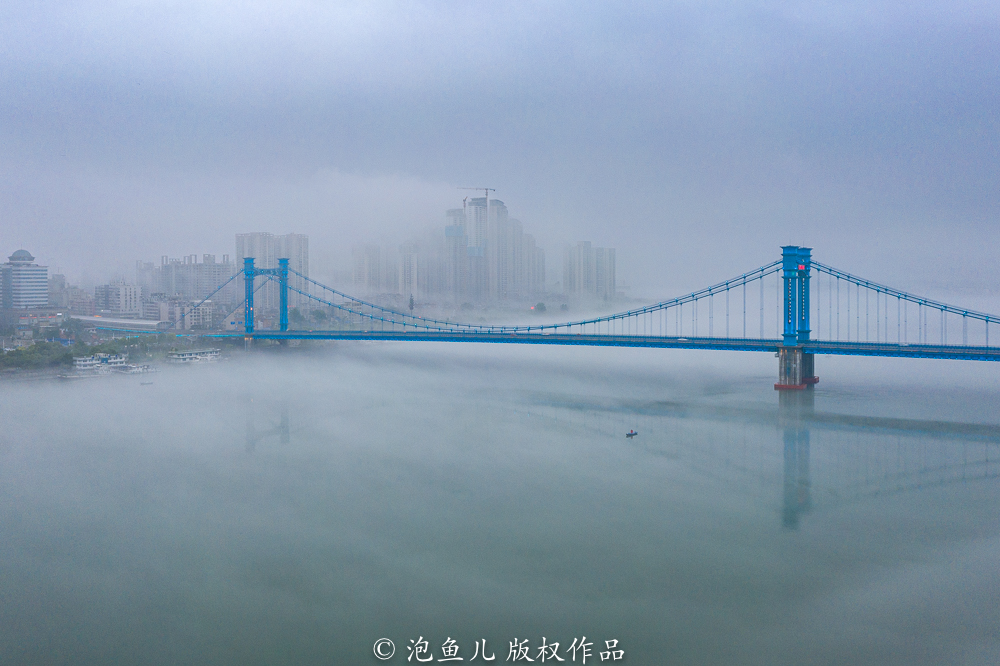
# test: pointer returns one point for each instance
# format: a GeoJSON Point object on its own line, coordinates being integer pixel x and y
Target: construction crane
{"type": "Point", "coordinates": [486, 191]}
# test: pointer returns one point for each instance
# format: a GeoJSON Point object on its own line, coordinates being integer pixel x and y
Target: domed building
{"type": "Point", "coordinates": [21, 257]}
{"type": "Point", "coordinates": [23, 284]}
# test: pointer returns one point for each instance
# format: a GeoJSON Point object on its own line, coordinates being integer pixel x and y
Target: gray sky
{"type": "Point", "coordinates": [695, 137]}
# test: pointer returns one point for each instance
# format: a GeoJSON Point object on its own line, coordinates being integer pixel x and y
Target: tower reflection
{"type": "Point", "coordinates": [795, 409]}
{"type": "Point", "coordinates": [253, 435]}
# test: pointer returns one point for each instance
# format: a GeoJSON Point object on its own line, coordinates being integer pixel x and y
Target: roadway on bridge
{"type": "Point", "coordinates": [605, 340]}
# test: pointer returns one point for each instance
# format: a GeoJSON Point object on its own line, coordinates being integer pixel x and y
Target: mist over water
{"type": "Point", "coordinates": [296, 506]}
{"type": "Point", "coordinates": [293, 505]}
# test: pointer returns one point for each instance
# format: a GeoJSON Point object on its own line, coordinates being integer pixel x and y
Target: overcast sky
{"type": "Point", "coordinates": [694, 137]}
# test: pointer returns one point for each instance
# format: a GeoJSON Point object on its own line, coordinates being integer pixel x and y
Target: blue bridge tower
{"type": "Point", "coordinates": [796, 369]}
{"type": "Point", "coordinates": [249, 273]}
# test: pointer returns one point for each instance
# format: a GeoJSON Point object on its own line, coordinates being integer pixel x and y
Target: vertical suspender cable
{"type": "Point", "coordinates": [848, 287]}
{"type": "Point", "coordinates": [818, 289]}
{"type": "Point", "coordinates": [711, 314]}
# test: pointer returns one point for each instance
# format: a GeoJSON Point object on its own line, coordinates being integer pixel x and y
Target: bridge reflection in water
{"type": "Point", "coordinates": [819, 460]}
{"type": "Point", "coordinates": [275, 425]}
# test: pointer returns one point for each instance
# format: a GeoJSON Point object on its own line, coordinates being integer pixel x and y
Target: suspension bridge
{"type": "Point", "coordinates": [794, 307]}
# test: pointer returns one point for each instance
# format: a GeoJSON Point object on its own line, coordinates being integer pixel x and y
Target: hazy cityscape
{"type": "Point", "coordinates": [481, 259]}
{"type": "Point", "coordinates": [351, 333]}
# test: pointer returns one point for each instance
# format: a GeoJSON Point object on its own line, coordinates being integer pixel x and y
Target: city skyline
{"type": "Point", "coordinates": [510, 268]}
{"type": "Point", "coordinates": [486, 256]}
{"type": "Point", "coordinates": [483, 255]}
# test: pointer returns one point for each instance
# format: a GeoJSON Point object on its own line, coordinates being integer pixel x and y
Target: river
{"type": "Point", "coordinates": [295, 506]}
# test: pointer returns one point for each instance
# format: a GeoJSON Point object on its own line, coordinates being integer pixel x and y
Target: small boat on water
{"type": "Point", "coordinates": [145, 383]}
{"type": "Point", "coordinates": [631, 433]}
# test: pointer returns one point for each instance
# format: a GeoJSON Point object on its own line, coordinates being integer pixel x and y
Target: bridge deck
{"type": "Point", "coordinates": [732, 344]}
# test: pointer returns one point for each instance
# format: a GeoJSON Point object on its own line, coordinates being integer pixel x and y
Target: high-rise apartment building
{"type": "Point", "coordinates": [578, 268]}
{"type": "Point", "coordinates": [182, 313]}
{"type": "Point", "coordinates": [295, 248]}
{"type": "Point", "coordinates": [80, 301]}
{"type": "Point", "coordinates": [119, 298]}
{"type": "Point", "coordinates": [589, 271]}
{"type": "Point", "coordinates": [456, 256]}
{"type": "Point", "coordinates": [532, 267]}
{"type": "Point", "coordinates": [432, 266]}
{"type": "Point", "coordinates": [266, 249]}
{"type": "Point", "coordinates": [369, 269]}
{"type": "Point", "coordinates": [65, 296]}
{"type": "Point", "coordinates": [477, 227]}
{"type": "Point", "coordinates": [501, 253]}
{"type": "Point", "coordinates": [260, 246]}
{"type": "Point", "coordinates": [604, 273]}
{"type": "Point", "coordinates": [23, 284]}
{"type": "Point", "coordinates": [409, 268]}
{"type": "Point", "coordinates": [186, 277]}
{"type": "Point", "coordinates": [146, 277]}
{"type": "Point", "coordinates": [57, 289]}
{"type": "Point", "coordinates": [499, 262]}
{"type": "Point", "coordinates": [477, 222]}
{"type": "Point", "coordinates": [173, 288]}
{"type": "Point", "coordinates": [483, 256]}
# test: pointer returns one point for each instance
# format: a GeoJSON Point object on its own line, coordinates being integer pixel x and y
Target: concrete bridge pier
{"type": "Point", "coordinates": [796, 369]}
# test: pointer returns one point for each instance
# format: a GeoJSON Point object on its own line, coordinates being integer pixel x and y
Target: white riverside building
{"type": "Point", "coordinates": [106, 364]}
{"type": "Point", "coordinates": [101, 363]}
{"type": "Point", "coordinates": [194, 356]}
{"type": "Point", "coordinates": [23, 284]}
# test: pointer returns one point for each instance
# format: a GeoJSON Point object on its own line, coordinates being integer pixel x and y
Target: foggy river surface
{"type": "Point", "coordinates": [296, 506]}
